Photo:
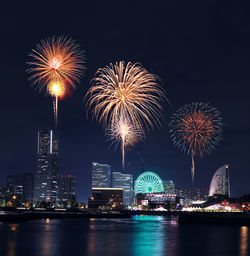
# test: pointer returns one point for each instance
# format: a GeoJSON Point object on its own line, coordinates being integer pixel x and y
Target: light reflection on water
{"type": "Point", "coordinates": [150, 237]}
{"type": "Point", "coordinates": [11, 244]}
{"type": "Point", "coordinates": [244, 240]}
{"type": "Point", "coordinates": [141, 235]}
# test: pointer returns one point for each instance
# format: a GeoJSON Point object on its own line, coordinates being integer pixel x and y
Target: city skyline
{"type": "Point", "coordinates": [215, 72]}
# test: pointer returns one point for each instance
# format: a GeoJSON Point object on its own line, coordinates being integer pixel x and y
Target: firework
{"type": "Point", "coordinates": [125, 133]}
{"type": "Point", "coordinates": [123, 92]}
{"type": "Point", "coordinates": [196, 129]}
{"type": "Point", "coordinates": [56, 59]}
{"type": "Point", "coordinates": [126, 90]}
{"type": "Point", "coordinates": [57, 90]}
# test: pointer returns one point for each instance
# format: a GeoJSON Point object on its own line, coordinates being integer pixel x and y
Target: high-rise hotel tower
{"type": "Point", "coordinates": [220, 184]}
{"type": "Point", "coordinates": [46, 181]}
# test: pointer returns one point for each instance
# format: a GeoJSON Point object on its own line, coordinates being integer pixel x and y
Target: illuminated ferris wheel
{"type": "Point", "coordinates": [148, 182]}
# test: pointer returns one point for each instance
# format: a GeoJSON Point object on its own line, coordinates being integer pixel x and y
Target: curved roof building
{"type": "Point", "coordinates": [148, 182]}
{"type": "Point", "coordinates": [220, 182]}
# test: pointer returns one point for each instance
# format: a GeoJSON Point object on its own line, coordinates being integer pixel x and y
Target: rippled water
{"type": "Point", "coordinates": [141, 235]}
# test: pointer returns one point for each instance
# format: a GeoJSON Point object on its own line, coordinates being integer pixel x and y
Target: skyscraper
{"type": "Point", "coordinates": [28, 187]}
{"type": "Point", "coordinates": [220, 182]}
{"type": "Point", "coordinates": [67, 188]}
{"type": "Point", "coordinates": [46, 182]}
{"type": "Point", "coordinates": [125, 181]}
{"type": "Point", "coordinates": [101, 175]}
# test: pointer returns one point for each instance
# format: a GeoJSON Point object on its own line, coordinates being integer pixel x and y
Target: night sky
{"type": "Point", "coordinates": [200, 49]}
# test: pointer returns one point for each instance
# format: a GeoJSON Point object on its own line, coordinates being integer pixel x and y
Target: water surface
{"type": "Point", "coordinates": [141, 235]}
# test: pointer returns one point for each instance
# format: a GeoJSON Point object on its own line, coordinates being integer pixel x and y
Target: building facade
{"type": "Point", "coordinates": [154, 200]}
{"type": "Point", "coordinates": [101, 175]}
{"type": "Point", "coordinates": [220, 184]}
{"type": "Point", "coordinates": [28, 187]}
{"type": "Point", "coordinates": [125, 181]}
{"type": "Point", "coordinates": [188, 196]}
{"type": "Point", "coordinates": [67, 188]}
{"type": "Point", "coordinates": [21, 185]}
{"type": "Point", "coordinates": [108, 198]}
{"type": "Point", "coordinates": [46, 181]}
{"type": "Point", "coordinates": [16, 183]}
{"type": "Point", "coordinates": [169, 187]}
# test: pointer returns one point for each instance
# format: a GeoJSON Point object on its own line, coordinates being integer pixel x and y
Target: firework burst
{"type": "Point", "coordinates": [126, 90]}
{"type": "Point", "coordinates": [196, 129]}
{"type": "Point", "coordinates": [125, 133]}
{"type": "Point", "coordinates": [126, 93]}
{"type": "Point", "coordinates": [56, 60]}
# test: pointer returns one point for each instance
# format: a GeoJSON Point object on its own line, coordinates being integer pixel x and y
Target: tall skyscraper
{"type": "Point", "coordinates": [125, 181]}
{"type": "Point", "coordinates": [101, 175]}
{"type": "Point", "coordinates": [67, 188]}
{"type": "Point", "coordinates": [46, 182]}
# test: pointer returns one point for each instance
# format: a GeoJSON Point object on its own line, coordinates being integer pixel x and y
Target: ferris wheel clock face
{"type": "Point", "coordinates": [148, 182]}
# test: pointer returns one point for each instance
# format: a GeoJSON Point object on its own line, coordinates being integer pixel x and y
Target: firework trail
{"type": "Point", "coordinates": [56, 60]}
{"type": "Point", "coordinates": [126, 92]}
{"type": "Point", "coordinates": [57, 90]}
{"type": "Point", "coordinates": [196, 129]}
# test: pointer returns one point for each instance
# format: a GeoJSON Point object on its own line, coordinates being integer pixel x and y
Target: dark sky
{"type": "Point", "coordinates": [200, 49]}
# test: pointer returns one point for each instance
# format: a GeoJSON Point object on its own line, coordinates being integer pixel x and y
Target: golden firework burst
{"type": "Point", "coordinates": [56, 59]}
{"type": "Point", "coordinates": [125, 98]}
{"type": "Point", "coordinates": [127, 90]}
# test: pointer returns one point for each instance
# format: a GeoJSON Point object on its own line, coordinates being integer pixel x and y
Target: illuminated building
{"type": "Point", "coordinates": [21, 185]}
{"type": "Point", "coordinates": [46, 182]}
{"type": "Point", "coordinates": [148, 182]}
{"type": "Point", "coordinates": [188, 196]}
{"type": "Point", "coordinates": [201, 195]}
{"type": "Point", "coordinates": [154, 200]}
{"type": "Point", "coordinates": [67, 188]}
{"type": "Point", "coordinates": [169, 187]}
{"type": "Point", "coordinates": [16, 182]}
{"type": "Point", "coordinates": [220, 182]}
{"type": "Point", "coordinates": [111, 198]}
{"type": "Point", "coordinates": [125, 181]}
{"type": "Point", "coordinates": [101, 175]}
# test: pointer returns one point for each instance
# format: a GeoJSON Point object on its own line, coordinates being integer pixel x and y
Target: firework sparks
{"type": "Point", "coordinates": [196, 129]}
{"type": "Point", "coordinates": [126, 92]}
{"type": "Point", "coordinates": [125, 133]}
{"type": "Point", "coordinates": [56, 59]}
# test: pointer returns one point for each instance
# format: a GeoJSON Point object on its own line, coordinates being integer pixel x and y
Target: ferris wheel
{"type": "Point", "coordinates": [148, 182]}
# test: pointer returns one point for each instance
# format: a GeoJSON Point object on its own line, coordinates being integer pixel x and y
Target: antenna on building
{"type": "Point", "coordinates": [228, 180]}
